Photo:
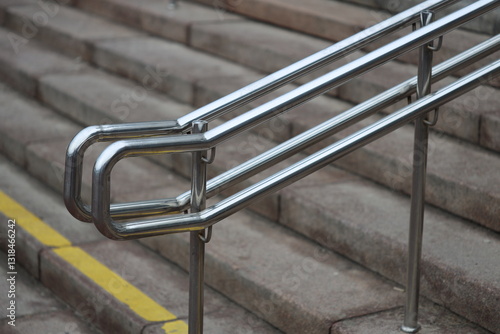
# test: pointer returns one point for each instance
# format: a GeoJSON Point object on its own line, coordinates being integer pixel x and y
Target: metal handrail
{"type": "Point", "coordinates": [226, 207]}
{"type": "Point", "coordinates": [188, 143]}
{"type": "Point", "coordinates": [105, 215]}
{"type": "Point", "coordinates": [318, 133]}
{"type": "Point", "coordinates": [93, 134]}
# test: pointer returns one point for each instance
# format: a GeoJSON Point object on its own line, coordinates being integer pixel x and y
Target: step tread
{"type": "Point", "coordinates": [363, 221]}
{"type": "Point", "coordinates": [450, 168]}
{"type": "Point", "coordinates": [157, 17]}
{"type": "Point", "coordinates": [389, 323]}
{"type": "Point", "coordinates": [485, 25]}
{"type": "Point", "coordinates": [165, 282]}
{"type": "Point", "coordinates": [268, 48]}
{"type": "Point", "coordinates": [36, 309]}
{"type": "Point", "coordinates": [58, 27]}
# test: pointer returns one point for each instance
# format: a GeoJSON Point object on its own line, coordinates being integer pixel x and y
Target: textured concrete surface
{"type": "Point", "coordinates": [67, 29]}
{"type": "Point", "coordinates": [490, 130]}
{"type": "Point", "coordinates": [256, 45]}
{"type": "Point", "coordinates": [295, 284]}
{"type": "Point", "coordinates": [164, 283]}
{"type": "Point", "coordinates": [432, 318]}
{"type": "Point", "coordinates": [99, 98]}
{"type": "Point", "coordinates": [157, 17]}
{"type": "Point", "coordinates": [452, 166]}
{"type": "Point", "coordinates": [37, 309]}
{"type": "Point", "coordinates": [326, 19]}
{"type": "Point", "coordinates": [176, 74]}
{"type": "Point", "coordinates": [23, 63]}
{"type": "Point", "coordinates": [53, 322]}
{"type": "Point", "coordinates": [370, 225]}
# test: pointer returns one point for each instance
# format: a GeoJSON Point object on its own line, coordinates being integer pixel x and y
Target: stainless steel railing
{"type": "Point", "coordinates": [90, 135]}
{"type": "Point", "coordinates": [139, 139]}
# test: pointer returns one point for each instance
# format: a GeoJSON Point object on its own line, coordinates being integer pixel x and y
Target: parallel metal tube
{"type": "Point", "coordinates": [340, 122]}
{"type": "Point", "coordinates": [223, 209]}
{"type": "Point", "coordinates": [196, 244]}
{"type": "Point", "coordinates": [211, 138]}
{"type": "Point", "coordinates": [90, 135]}
{"type": "Point", "coordinates": [319, 59]}
{"type": "Point", "coordinates": [347, 72]}
{"type": "Point", "coordinates": [410, 324]}
{"type": "Point", "coordinates": [176, 143]}
{"type": "Point", "coordinates": [313, 135]}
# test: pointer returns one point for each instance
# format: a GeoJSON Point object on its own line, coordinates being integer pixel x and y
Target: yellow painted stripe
{"type": "Point", "coordinates": [175, 327]}
{"type": "Point", "coordinates": [122, 290]}
{"type": "Point", "coordinates": [32, 224]}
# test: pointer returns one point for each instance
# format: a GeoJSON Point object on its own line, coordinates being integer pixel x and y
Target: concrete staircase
{"type": "Point", "coordinates": [326, 255]}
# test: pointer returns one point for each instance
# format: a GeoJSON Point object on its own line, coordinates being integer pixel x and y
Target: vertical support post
{"type": "Point", "coordinates": [197, 239]}
{"type": "Point", "coordinates": [410, 324]}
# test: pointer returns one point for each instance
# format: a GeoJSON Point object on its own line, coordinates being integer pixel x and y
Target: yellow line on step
{"type": "Point", "coordinates": [175, 327]}
{"type": "Point", "coordinates": [104, 277]}
{"type": "Point", "coordinates": [122, 290]}
{"type": "Point", "coordinates": [31, 223]}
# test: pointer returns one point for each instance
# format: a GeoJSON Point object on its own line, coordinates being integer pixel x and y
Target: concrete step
{"type": "Point", "coordinates": [35, 309]}
{"type": "Point", "coordinates": [388, 323]}
{"type": "Point", "coordinates": [486, 25]}
{"type": "Point", "coordinates": [116, 295]}
{"type": "Point", "coordinates": [201, 26]}
{"type": "Point", "coordinates": [369, 224]}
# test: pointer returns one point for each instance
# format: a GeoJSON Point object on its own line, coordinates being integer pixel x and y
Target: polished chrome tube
{"type": "Point", "coordinates": [319, 59]}
{"type": "Point", "coordinates": [410, 324]}
{"type": "Point", "coordinates": [88, 136]}
{"type": "Point", "coordinates": [177, 143]}
{"type": "Point", "coordinates": [347, 72]}
{"type": "Point", "coordinates": [85, 138]}
{"type": "Point", "coordinates": [311, 136]}
{"type": "Point", "coordinates": [196, 241]}
{"type": "Point", "coordinates": [336, 124]}
{"type": "Point", "coordinates": [186, 143]}
{"type": "Point", "coordinates": [232, 204]}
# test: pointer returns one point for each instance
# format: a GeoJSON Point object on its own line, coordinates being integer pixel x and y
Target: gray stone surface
{"type": "Point", "coordinates": [370, 225]}
{"type": "Point", "coordinates": [177, 73]}
{"type": "Point", "coordinates": [453, 167]}
{"type": "Point", "coordinates": [164, 283]}
{"type": "Point", "coordinates": [432, 318]}
{"type": "Point", "coordinates": [295, 284]}
{"type": "Point", "coordinates": [327, 19]}
{"type": "Point", "coordinates": [53, 322]}
{"type": "Point", "coordinates": [24, 61]}
{"type": "Point", "coordinates": [107, 99]}
{"type": "Point", "coordinates": [29, 295]}
{"type": "Point", "coordinates": [70, 31]}
{"type": "Point", "coordinates": [156, 16]}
